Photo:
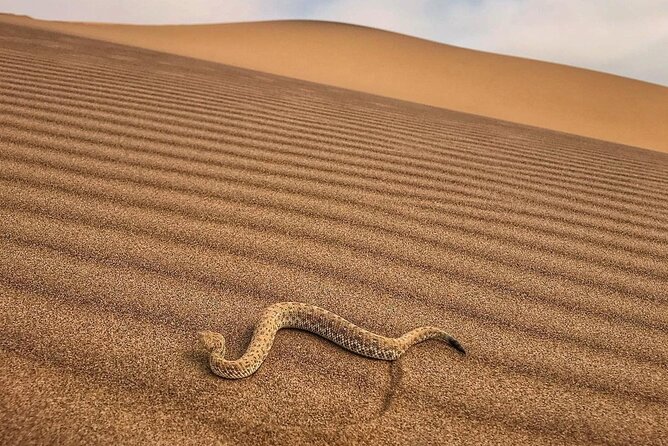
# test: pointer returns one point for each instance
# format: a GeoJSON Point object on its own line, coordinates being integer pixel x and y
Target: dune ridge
{"type": "Point", "coordinates": [541, 94]}
{"type": "Point", "coordinates": [145, 197]}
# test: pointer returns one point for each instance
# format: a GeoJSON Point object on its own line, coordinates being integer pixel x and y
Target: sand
{"type": "Point", "coordinates": [545, 95]}
{"type": "Point", "coordinates": [146, 196]}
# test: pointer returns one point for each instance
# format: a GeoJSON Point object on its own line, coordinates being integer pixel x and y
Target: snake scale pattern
{"type": "Point", "coordinates": [315, 320]}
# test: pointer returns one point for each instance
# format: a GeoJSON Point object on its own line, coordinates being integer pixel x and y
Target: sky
{"type": "Point", "coordinates": [624, 37]}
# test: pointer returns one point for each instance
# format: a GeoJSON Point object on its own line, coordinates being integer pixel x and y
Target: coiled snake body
{"type": "Point", "coordinates": [315, 320]}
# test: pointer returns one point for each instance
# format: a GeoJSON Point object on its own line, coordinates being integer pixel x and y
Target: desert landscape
{"type": "Point", "coordinates": [148, 194]}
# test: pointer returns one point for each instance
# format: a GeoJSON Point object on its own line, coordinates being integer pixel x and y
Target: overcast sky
{"type": "Point", "coordinates": [629, 38]}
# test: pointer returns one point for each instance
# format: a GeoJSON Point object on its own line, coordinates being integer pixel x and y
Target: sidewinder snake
{"type": "Point", "coordinates": [315, 320]}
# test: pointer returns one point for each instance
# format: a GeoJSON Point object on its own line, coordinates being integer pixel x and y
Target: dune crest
{"type": "Point", "coordinates": [541, 94]}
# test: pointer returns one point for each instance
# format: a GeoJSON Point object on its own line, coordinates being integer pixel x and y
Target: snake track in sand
{"type": "Point", "coordinates": [315, 320]}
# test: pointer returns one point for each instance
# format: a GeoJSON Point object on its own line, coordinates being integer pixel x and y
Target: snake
{"type": "Point", "coordinates": [321, 322]}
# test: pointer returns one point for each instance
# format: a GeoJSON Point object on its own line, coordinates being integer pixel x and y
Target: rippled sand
{"type": "Point", "coordinates": [146, 196]}
{"type": "Point", "coordinates": [541, 94]}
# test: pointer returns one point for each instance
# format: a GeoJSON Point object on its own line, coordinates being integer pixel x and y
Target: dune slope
{"type": "Point", "coordinates": [546, 95]}
{"type": "Point", "coordinates": [145, 196]}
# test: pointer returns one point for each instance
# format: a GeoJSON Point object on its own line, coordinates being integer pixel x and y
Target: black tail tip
{"type": "Point", "coordinates": [457, 346]}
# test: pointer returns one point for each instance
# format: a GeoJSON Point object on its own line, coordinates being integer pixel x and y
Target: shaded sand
{"type": "Point", "coordinates": [145, 197]}
{"type": "Point", "coordinates": [542, 94]}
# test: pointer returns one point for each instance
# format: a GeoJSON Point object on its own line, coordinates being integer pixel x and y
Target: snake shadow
{"type": "Point", "coordinates": [396, 373]}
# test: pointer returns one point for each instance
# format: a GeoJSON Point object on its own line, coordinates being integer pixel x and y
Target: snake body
{"type": "Point", "coordinates": [315, 320]}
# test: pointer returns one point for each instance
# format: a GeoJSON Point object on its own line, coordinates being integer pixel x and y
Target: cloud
{"type": "Point", "coordinates": [146, 11]}
{"type": "Point", "coordinates": [629, 38]}
{"type": "Point", "coordinates": [617, 36]}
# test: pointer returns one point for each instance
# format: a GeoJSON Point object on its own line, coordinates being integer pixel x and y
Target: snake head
{"type": "Point", "coordinates": [213, 342]}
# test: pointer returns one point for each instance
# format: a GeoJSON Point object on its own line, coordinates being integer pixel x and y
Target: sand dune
{"type": "Point", "coordinates": [525, 91]}
{"type": "Point", "coordinates": [146, 196]}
